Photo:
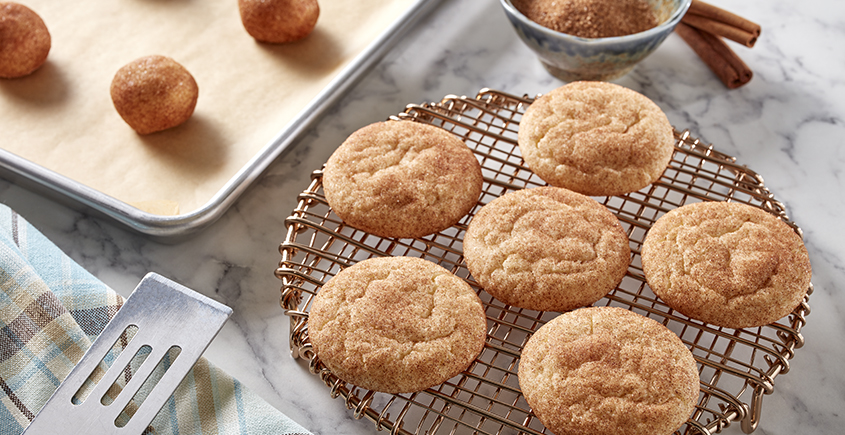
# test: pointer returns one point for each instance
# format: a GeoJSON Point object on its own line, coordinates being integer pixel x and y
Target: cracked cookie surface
{"type": "Point", "coordinates": [596, 138]}
{"type": "Point", "coordinates": [546, 249]}
{"type": "Point", "coordinates": [402, 179]}
{"type": "Point", "coordinates": [607, 370]}
{"type": "Point", "coordinates": [397, 324]}
{"type": "Point", "coordinates": [728, 264]}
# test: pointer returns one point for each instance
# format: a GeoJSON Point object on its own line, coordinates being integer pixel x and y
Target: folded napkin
{"type": "Point", "coordinates": [51, 310]}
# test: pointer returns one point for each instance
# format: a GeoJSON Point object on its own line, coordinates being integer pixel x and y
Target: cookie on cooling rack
{"type": "Point", "coordinates": [397, 324]}
{"type": "Point", "coordinates": [546, 249]}
{"type": "Point", "coordinates": [727, 264]}
{"type": "Point", "coordinates": [402, 179]}
{"type": "Point", "coordinates": [596, 138]}
{"type": "Point", "coordinates": [607, 370]}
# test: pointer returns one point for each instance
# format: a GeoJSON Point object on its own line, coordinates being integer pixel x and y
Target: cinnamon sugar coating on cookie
{"type": "Point", "coordinates": [24, 40]}
{"type": "Point", "coordinates": [607, 370]}
{"type": "Point", "coordinates": [279, 21]}
{"type": "Point", "coordinates": [402, 179]}
{"type": "Point", "coordinates": [596, 138]}
{"type": "Point", "coordinates": [154, 93]}
{"type": "Point", "coordinates": [397, 324]}
{"type": "Point", "coordinates": [546, 249]}
{"type": "Point", "coordinates": [728, 264]}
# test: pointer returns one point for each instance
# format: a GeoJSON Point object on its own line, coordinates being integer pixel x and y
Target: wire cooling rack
{"type": "Point", "coordinates": [736, 367]}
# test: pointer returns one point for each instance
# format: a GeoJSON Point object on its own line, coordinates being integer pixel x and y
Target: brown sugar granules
{"type": "Point", "coordinates": [590, 18]}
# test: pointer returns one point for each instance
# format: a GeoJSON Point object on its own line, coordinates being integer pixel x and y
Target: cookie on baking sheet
{"type": "Point", "coordinates": [279, 21]}
{"type": "Point", "coordinates": [727, 264]}
{"type": "Point", "coordinates": [546, 249]}
{"type": "Point", "coordinates": [154, 93]}
{"type": "Point", "coordinates": [596, 138]}
{"type": "Point", "coordinates": [24, 40]}
{"type": "Point", "coordinates": [402, 179]}
{"type": "Point", "coordinates": [607, 370]}
{"type": "Point", "coordinates": [397, 324]}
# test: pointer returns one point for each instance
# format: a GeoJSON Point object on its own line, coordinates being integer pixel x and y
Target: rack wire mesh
{"type": "Point", "coordinates": [737, 367]}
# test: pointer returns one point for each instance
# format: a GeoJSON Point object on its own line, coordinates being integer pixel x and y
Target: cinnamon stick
{"type": "Point", "coordinates": [717, 21]}
{"type": "Point", "coordinates": [730, 69]}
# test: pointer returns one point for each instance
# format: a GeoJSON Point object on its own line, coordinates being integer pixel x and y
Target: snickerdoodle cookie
{"type": "Point", "coordinates": [397, 324]}
{"type": "Point", "coordinates": [596, 138]}
{"type": "Point", "coordinates": [607, 370]}
{"type": "Point", "coordinates": [402, 179]}
{"type": "Point", "coordinates": [279, 21]}
{"type": "Point", "coordinates": [154, 93]}
{"type": "Point", "coordinates": [24, 40]}
{"type": "Point", "coordinates": [728, 264]}
{"type": "Point", "coordinates": [546, 249]}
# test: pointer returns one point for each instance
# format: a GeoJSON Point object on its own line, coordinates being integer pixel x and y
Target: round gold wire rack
{"type": "Point", "coordinates": [737, 367]}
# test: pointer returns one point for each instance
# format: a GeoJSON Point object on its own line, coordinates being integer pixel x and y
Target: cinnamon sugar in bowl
{"type": "Point", "coordinates": [593, 55]}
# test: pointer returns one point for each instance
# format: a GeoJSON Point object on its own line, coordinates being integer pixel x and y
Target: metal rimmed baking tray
{"type": "Point", "coordinates": [49, 182]}
{"type": "Point", "coordinates": [737, 367]}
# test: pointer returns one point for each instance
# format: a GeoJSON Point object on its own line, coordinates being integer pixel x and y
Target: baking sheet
{"type": "Point", "coordinates": [62, 134]}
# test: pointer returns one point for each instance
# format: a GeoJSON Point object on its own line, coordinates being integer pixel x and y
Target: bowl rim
{"type": "Point", "coordinates": [672, 21]}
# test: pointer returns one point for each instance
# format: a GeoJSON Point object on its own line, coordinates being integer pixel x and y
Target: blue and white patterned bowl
{"type": "Point", "coordinates": [572, 58]}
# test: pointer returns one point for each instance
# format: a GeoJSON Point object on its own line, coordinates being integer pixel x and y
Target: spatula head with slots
{"type": "Point", "coordinates": [167, 320]}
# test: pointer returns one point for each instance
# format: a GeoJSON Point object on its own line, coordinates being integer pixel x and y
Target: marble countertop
{"type": "Point", "coordinates": [787, 124]}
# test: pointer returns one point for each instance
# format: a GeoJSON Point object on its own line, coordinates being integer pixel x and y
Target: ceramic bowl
{"type": "Point", "coordinates": [572, 58]}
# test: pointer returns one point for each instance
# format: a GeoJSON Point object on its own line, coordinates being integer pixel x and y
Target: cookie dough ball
{"type": "Point", "coordinates": [607, 370]}
{"type": "Point", "coordinates": [279, 21]}
{"type": "Point", "coordinates": [154, 93]}
{"type": "Point", "coordinates": [726, 263]}
{"type": "Point", "coordinates": [596, 138]}
{"type": "Point", "coordinates": [397, 324]}
{"type": "Point", "coordinates": [24, 40]}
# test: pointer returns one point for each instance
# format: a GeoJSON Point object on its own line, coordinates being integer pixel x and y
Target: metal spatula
{"type": "Point", "coordinates": [166, 314]}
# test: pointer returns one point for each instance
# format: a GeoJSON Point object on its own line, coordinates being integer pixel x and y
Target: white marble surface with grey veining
{"type": "Point", "coordinates": [788, 124]}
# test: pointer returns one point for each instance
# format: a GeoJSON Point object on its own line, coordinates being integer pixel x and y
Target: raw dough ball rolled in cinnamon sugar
{"type": "Point", "coordinates": [546, 249]}
{"type": "Point", "coordinates": [154, 93]}
{"type": "Point", "coordinates": [725, 263]}
{"type": "Point", "coordinates": [607, 370]}
{"type": "Point", "coordinates": [397, 324]}
{"type": "Point", "coordinates": [596, 138]}
{"type": "Point", "coordinates": [279, 21]}
{"type": "Point", "coordinates": [24, 40]}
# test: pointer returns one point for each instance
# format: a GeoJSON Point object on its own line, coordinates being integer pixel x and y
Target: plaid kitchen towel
{"type": "Point", "coordinates": [51, 310]}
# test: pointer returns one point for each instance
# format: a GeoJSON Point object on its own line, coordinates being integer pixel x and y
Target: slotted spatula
{"type": "Point", "coordinates": [166, 314]}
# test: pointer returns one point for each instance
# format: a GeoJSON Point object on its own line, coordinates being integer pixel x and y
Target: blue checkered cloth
{"type": "Point", "coordinates": [51, 310]}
